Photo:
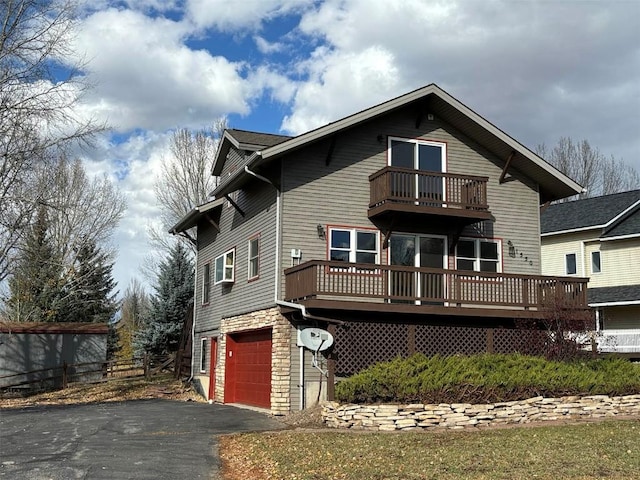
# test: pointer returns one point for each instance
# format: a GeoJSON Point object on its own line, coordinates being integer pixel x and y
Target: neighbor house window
{"type": "Point", "coordinates": [224, 267]}
{"type": "Point", "coordinates": [570, 263]}
{"type": "Point", "coordinates": [203, 355]}
{"type": "Point", "coordinates": [596, 266]}
{"type": "Point", "coordinates": [478, 254]}
{"type": "Point", "coordinates": [353, 245]}
{"type": "Point", "coordinates": [206, 283]}
{"type": "Point", "coordinates": [254, 257]}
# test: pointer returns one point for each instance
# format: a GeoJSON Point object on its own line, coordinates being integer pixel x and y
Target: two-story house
{"type": "Point", "coordinates": [599, 238]}
{"type": "Point", "coordinates": [410, 226]}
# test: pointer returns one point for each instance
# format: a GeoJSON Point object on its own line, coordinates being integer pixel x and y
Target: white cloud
{"type": "Point", "coordinates": [341, 83]}
{"type": "Point", "coordinates": [267, 47]}
{"type": "Point", "coordinates": [229, 16]}
{"type": "Point", "coordinates": [147, 78]}
{"type": "Point", "coordinates": [537, 70]}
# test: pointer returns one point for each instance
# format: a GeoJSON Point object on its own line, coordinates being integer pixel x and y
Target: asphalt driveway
{"type": "Point", "coordinates": [142, 439]}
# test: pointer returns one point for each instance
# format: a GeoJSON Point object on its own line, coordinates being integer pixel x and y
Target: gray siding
{"type": "Point", "coordinates": [338, 193]}
{"type": "Point", "coordinates": [258, 201]}
{"type": "Point", "coordinates": [235, 160]}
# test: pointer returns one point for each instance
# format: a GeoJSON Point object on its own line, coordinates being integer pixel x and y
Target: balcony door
{"type": "Point", "coordinates": [409, 285]}
{"type": "Point", "coordinates": [423, 156]}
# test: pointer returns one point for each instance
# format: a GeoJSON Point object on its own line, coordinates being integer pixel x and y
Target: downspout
{"type": "Point", "coordinates": [193, 322]}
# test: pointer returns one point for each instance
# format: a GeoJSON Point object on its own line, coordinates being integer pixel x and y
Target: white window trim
{"type": "Point", "coordinates": [229, 253]}
{"type": "Point", "coordinates": [203, 354]}
{"type": "Point", "coordinates": [478, 258]}
{"type": "Point", "coordinates": [353, 243]}
{"type": "Point", "coordinates": [566, 265]}
{"type": "Point", "coordinates": [255, 238]}
{"type": "Point", "coordinates": [206, 283]}
{"type": "Point", "coordinates": [417, 141]}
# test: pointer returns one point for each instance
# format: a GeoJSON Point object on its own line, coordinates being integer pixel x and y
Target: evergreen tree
{"type": "Point", "coordinates": [173, 295]}
{"type": "Point", "coordinates": [89, 289]}
{"type": "Point", "coordinates": [36, 288]}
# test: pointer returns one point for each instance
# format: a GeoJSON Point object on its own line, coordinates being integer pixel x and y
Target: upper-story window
{"type": "Point", "coordinates": [596, 265]}
{"type": "Point", "coordinates": [206, 283]}
{"type": "Point", "coordinates": [254, 257]}
{"type": "Point", "coordinates": [354, 245]}
{"type": "Point", "coordinates": [570, 264]}
{"type": "Point", "coordinates": [417, 154]}
{"type": "Point", "coordinates": [224, 267]}
{"type": "Point", "coordinates": [478, 254]}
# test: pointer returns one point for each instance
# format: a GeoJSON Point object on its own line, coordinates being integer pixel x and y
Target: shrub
{"type": "Point", "coordinates": [486, 378]}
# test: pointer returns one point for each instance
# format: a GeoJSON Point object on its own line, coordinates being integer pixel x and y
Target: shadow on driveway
{"type": "Point", "coordinates": [140, 439]}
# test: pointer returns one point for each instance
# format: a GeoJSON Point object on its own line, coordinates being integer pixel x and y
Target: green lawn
{"type": "Point", "coordinates": [608, 449]}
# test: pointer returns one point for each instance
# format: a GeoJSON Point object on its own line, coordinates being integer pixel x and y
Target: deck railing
{"type": "Point", "coordinates": [431, 189]}
{"type": "Point", "coordinates": [619, 340]}
{"type": "Point", "coordinates": [392, 283]}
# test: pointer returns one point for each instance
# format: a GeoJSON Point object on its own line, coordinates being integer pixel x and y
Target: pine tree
{"type": "Point", "coordinates": [162, 325]}
{"type": "Point", "coordinates": [89, 289]}
{"type": "Point", "coordinates": [36, 288]}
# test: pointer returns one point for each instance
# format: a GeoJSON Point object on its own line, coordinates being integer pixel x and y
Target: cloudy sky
{"type": "Point", "coordinates": [537, 69]}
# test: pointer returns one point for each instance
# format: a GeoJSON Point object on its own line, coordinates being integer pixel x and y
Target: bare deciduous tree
{"type": "Point", "coordinates": [185, 180]}
{"type": "Point", "coordinates": [37, 117]}
{"type": "Point", "coordinates": [598, 174]}
{"type": "Point", "coordinates": [134, 308]}
{"type": "Point", "coordinates": [83, 210]}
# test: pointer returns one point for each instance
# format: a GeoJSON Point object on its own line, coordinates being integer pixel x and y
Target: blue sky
{"type": "Point", "coordinates": [539, 70]}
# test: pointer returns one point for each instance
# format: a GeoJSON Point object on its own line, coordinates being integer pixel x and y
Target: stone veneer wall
{"type": "Point", "coordinates": [462, 415]}
{"type": "Point", "coordinates": [280, 353]}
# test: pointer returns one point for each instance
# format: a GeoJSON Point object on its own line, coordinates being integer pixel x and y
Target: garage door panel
{"type": "Point", "coordinates": [248, 378]}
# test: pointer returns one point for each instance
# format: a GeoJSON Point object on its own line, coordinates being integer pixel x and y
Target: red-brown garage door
{"type": "Point", "coordinates": [248, 368]}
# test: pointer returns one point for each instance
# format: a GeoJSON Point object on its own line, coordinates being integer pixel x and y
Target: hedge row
{"type": "Point", "coordinates": [486, 378]}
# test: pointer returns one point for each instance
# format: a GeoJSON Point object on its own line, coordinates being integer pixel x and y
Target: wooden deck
{"type": "Point", "coordinates": [389, 288]}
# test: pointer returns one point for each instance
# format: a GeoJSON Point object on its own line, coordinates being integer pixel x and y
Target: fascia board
{"type": "Point", "coordinates": [573, 230]}
{"type": "Point", "coordinates": [620, 237]}
{"type": "Point", "coordinates": [615, 304]}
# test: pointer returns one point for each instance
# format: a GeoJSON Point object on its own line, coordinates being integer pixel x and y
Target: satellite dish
{"type": "Point", "coordinates": [316, 339]}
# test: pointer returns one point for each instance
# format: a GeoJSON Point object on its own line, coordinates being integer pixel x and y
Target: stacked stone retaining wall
{"type": "Point", "coordinates": [463, 415]}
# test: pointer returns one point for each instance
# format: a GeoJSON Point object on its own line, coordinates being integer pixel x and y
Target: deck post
{"type": "Point", "coordinates": [331, 369]}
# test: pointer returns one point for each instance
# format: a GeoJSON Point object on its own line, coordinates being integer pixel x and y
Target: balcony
{"type": "Point", "coordinates": [406, 196]}
{"type": "Point", "coordinates": [334, 285]}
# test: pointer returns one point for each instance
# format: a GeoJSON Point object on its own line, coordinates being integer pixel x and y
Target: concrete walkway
{"type": "Point", "coordinates": [143, 439]}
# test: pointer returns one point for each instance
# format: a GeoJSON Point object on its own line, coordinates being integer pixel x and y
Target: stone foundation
{"type": "Point", "coordinates": [280, 353]}
{"type": "Point", "coordinates": [463, 415]}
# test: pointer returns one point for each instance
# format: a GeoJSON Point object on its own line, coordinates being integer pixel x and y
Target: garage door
{"type": "Point", "coordinates": [248, 368]}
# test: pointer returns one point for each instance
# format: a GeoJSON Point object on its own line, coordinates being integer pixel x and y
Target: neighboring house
{"type": "Point", "coordinates": [599, 238]}
{"type": "Point", "coordinates": [398, 229]}
{"type": "Point", "coordinates": [31, 353]}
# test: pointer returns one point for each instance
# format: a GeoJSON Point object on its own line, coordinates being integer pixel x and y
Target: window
{"type": "Point", "coordinates": [596, 266]}
{"type": "Point", "coordinates": [477, 254]}
{"type": "Point", "coordinates": [254, 257]}
{"type": "Point", "coordinates": [224, 267]}
{"type": "Point", "coordinates": [352, 245]}
{"type": "Point", "coordinates": [206, 283]}
{"type": "Point", "coordinates": [570, 263]}
{"type": "Point", "coordinates": [417, 155]}
{"type": "Point", "coordinates": [203, 355]}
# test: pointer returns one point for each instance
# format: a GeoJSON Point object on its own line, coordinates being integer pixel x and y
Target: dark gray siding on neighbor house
{"type": "Point", "coordinates": [258, 201]}
{"type": "Point", "coordinates": [338, 194]}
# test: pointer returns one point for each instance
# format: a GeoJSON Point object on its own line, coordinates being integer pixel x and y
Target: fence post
{"type": "Point", "coordinates": [64, 375]}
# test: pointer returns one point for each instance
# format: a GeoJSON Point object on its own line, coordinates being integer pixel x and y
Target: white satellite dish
{"type": "Point", "coordinates": [315, 339]}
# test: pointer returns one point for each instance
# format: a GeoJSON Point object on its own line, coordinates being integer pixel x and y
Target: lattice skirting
{"type": "Point", "coordinates": [359, 345]}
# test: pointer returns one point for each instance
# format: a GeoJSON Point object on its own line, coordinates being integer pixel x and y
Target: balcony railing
{"type": "Point", "coordinates": [330, 280]}
{"type": "Point", "coordinates": [619, 340]}
{"type": "Point", "coordinates": [428, 189]}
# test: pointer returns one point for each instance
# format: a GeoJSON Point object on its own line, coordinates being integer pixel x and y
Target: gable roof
{"type": "Point", "coordinates": [608, 212]}
{"type": "Point", "coordinates": [431, 99]}
{"type": "Point", "coordinates": [243, 140]}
